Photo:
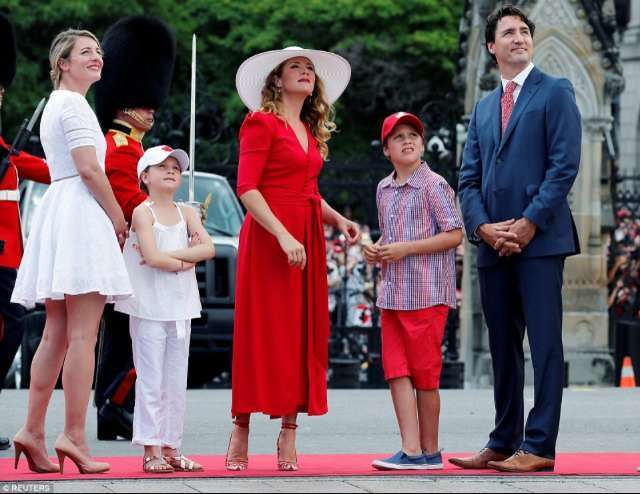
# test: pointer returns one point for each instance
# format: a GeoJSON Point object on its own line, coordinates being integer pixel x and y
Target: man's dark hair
{"type": "Point", "coordinates": [494, 18]}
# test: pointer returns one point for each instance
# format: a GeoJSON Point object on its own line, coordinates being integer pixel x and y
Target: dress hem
{"type": "Point", "coordinates": [42, 298]}
{"type": "Point", "coordinates": [275, 415]}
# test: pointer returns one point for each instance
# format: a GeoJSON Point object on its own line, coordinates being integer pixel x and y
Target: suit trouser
{"type": "Point", "coordinates": [162, 361]}
{"type": "Point", "coordinates": [518, 293]}
{"type": "Point", "coordinates": [12, 315]}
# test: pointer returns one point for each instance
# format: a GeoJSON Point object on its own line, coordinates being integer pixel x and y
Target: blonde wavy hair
{"type": "Point", "coordinates": [61, 48]}
{"type": "Point", "coordinates": [316, 111]}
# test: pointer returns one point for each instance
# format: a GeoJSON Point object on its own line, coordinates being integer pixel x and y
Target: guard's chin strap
{"type": "Point", "coordinates": [138, 118]}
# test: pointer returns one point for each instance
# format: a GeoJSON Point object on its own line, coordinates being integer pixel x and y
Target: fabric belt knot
{"type": "Point", "coordinates": [181, 329]}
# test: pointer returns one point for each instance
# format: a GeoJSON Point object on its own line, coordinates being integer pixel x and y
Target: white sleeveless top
{"type": "Point", "coordinates": [161, 295]}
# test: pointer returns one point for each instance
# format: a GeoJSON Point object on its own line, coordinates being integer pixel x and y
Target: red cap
{"type": "Point", "coordinates": [398, 118]}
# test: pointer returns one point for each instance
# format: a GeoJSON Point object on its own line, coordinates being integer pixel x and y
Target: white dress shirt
{"type": "Point", "coordinates": [519, 80]}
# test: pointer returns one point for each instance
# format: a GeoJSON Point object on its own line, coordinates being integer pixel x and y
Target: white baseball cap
{"type": "Point", "coordinates": [334, 71]}
{"type": "Point", "coordinates": [156, 155]}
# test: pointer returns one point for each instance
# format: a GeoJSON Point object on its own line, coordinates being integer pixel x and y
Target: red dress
{"type": "Point", "coordinates": [281, 332]}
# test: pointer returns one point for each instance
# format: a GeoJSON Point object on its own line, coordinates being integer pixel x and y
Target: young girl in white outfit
{"type": "Point", "coordinates": [166, 241]}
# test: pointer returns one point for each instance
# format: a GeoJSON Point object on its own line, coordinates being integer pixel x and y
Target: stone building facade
{"type": "Point", "coordinates": [629, 123]}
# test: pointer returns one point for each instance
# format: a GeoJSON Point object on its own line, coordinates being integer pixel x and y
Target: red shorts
{"type": "Point", "coordinates": [412, 345]}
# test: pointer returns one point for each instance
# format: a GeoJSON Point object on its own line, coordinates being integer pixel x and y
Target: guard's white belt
{"type": "Point", "coordinates": [10, 195]}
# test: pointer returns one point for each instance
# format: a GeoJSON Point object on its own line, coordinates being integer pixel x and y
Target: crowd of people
{"type": "Point", "coordinates": [624, 266]}
{"type": "Point", "coordinates": [352, 282]}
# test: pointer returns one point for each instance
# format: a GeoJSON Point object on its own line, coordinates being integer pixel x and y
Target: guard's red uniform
{"type": "Point", "coordinates": [27, 166]}
{"type": "Point", "coordinates": [124, 149]}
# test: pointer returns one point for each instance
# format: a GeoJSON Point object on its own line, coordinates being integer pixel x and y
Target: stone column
{"type": "Point", "coordinates": [585, 320]}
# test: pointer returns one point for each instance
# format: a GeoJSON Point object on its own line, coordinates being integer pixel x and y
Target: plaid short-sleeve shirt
{"type": "Point", "coordinates": [421, 208]}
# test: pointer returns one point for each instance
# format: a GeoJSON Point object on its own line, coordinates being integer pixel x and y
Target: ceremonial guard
{"type": "Point", "coordinates": [139, 55]}
{"type": "Point", "coordinates": [12, 168]}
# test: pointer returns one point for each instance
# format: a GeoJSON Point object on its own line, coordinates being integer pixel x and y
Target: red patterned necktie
{"type": "Point", "coordinates": [507, 104]}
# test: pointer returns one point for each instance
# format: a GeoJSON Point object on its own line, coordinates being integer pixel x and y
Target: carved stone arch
{"type": "Point", "coordinates": [555, 13]}
{"type": "Point", "coordinates": [554, 57]}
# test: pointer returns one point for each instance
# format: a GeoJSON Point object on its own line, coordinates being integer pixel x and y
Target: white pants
{"type": "Point", "coordinates": [161, 360]}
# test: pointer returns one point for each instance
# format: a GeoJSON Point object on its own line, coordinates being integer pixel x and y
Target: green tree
{"type": "Point", "coordinates": [402, 52]}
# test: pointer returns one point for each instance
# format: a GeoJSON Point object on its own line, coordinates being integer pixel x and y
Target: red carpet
{"type": "Point", "coordinates": [129, 467]}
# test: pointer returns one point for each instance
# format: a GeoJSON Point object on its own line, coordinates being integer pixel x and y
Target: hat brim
{"type": "Point", "coordinates": [408, 119]}
{"type": "Point", "coordinates": [332, 69]}
{"type": "Point", "coordinates": [178, 154]}
{"type": "Point", "coordinates": [182, 157]}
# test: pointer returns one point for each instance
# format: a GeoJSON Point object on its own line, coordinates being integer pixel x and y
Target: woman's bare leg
{"type": "Point", "coordinates": [239, 443]}
{"type": "Point", "coordinates": [83, 318]}
{"type": "Point", "coordinates": [287, 439]}
{"type": "Point", "coordinates": [45, 369]}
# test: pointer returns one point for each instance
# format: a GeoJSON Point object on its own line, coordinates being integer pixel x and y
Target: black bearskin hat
{"type": "Point", "coordinates": [139, 55]}
{"type": "Point", "coordinates": [8, 52]}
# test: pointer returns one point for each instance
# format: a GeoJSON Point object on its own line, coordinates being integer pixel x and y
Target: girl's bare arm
{"type": "Point", "coordinates": [143, 226]}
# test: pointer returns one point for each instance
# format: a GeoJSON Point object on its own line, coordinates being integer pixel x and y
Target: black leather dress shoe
{"type": "Point", "coordinates": [113, 422]}
{"type": "Point", "coordinates": [4, 443]}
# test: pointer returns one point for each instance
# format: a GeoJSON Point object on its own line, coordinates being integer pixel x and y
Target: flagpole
{"type": "Point", "coordinates": [192, 130]}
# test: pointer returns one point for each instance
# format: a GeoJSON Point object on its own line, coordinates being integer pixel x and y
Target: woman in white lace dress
{"type": "Point", "coordinates": [72, 261]}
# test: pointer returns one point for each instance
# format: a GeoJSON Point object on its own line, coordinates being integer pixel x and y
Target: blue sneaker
{"type": "Point", "coordinates": [434, 461]}
{"type": "Point", "coordinates": [402, 461]}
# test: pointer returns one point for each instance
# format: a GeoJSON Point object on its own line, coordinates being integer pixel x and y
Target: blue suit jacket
{"type": "Point", "coordinates": [528, 171]}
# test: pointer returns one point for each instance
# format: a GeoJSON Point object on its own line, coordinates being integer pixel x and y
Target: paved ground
{"type": "Point", "coordinates": [361, 421]}
{"type": "Point", "coordinates": [356, 484]}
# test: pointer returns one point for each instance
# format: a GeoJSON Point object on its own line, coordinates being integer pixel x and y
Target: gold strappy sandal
{"type": "Point", "coordinates": [181, 463]}
{"type": "Point", "coordinates": [287, 465]}
{"type": "Point", "coordinates": [237, 464]}
{"type": "Point", "coordinates": [156, 464]}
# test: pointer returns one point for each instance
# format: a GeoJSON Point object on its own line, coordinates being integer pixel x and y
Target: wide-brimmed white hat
{"type": "Point", "coordinates": [334, 71]}
{"type": "Point", "coordinates": [156, 155]}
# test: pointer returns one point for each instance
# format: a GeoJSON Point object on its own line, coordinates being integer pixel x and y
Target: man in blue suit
{"type": "Point", "coordinates": [520, 160]}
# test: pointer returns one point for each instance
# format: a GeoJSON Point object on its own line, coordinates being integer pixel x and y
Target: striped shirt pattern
{"type": "Point", "coordinates": [422, 207]}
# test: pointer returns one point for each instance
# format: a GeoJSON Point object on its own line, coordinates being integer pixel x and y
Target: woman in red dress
{"type": "Point", "coordinates": [280, 346]}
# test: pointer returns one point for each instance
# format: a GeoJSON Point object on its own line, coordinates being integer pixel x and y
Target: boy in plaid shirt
{"type": "Point", "coordinates": [420, 229]}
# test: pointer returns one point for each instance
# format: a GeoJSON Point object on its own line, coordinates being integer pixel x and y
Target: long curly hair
{"type": "Point", "coordinates": [317, 113]}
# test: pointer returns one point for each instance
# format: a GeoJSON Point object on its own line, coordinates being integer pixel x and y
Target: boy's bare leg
{"type": "Point", "coordinates": [404, 403]}
{"type": "Point", "coordinates": [429, 418]}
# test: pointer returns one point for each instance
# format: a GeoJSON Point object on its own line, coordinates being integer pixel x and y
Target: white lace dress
{"type": "Point", "coordinates": [72, 248]}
